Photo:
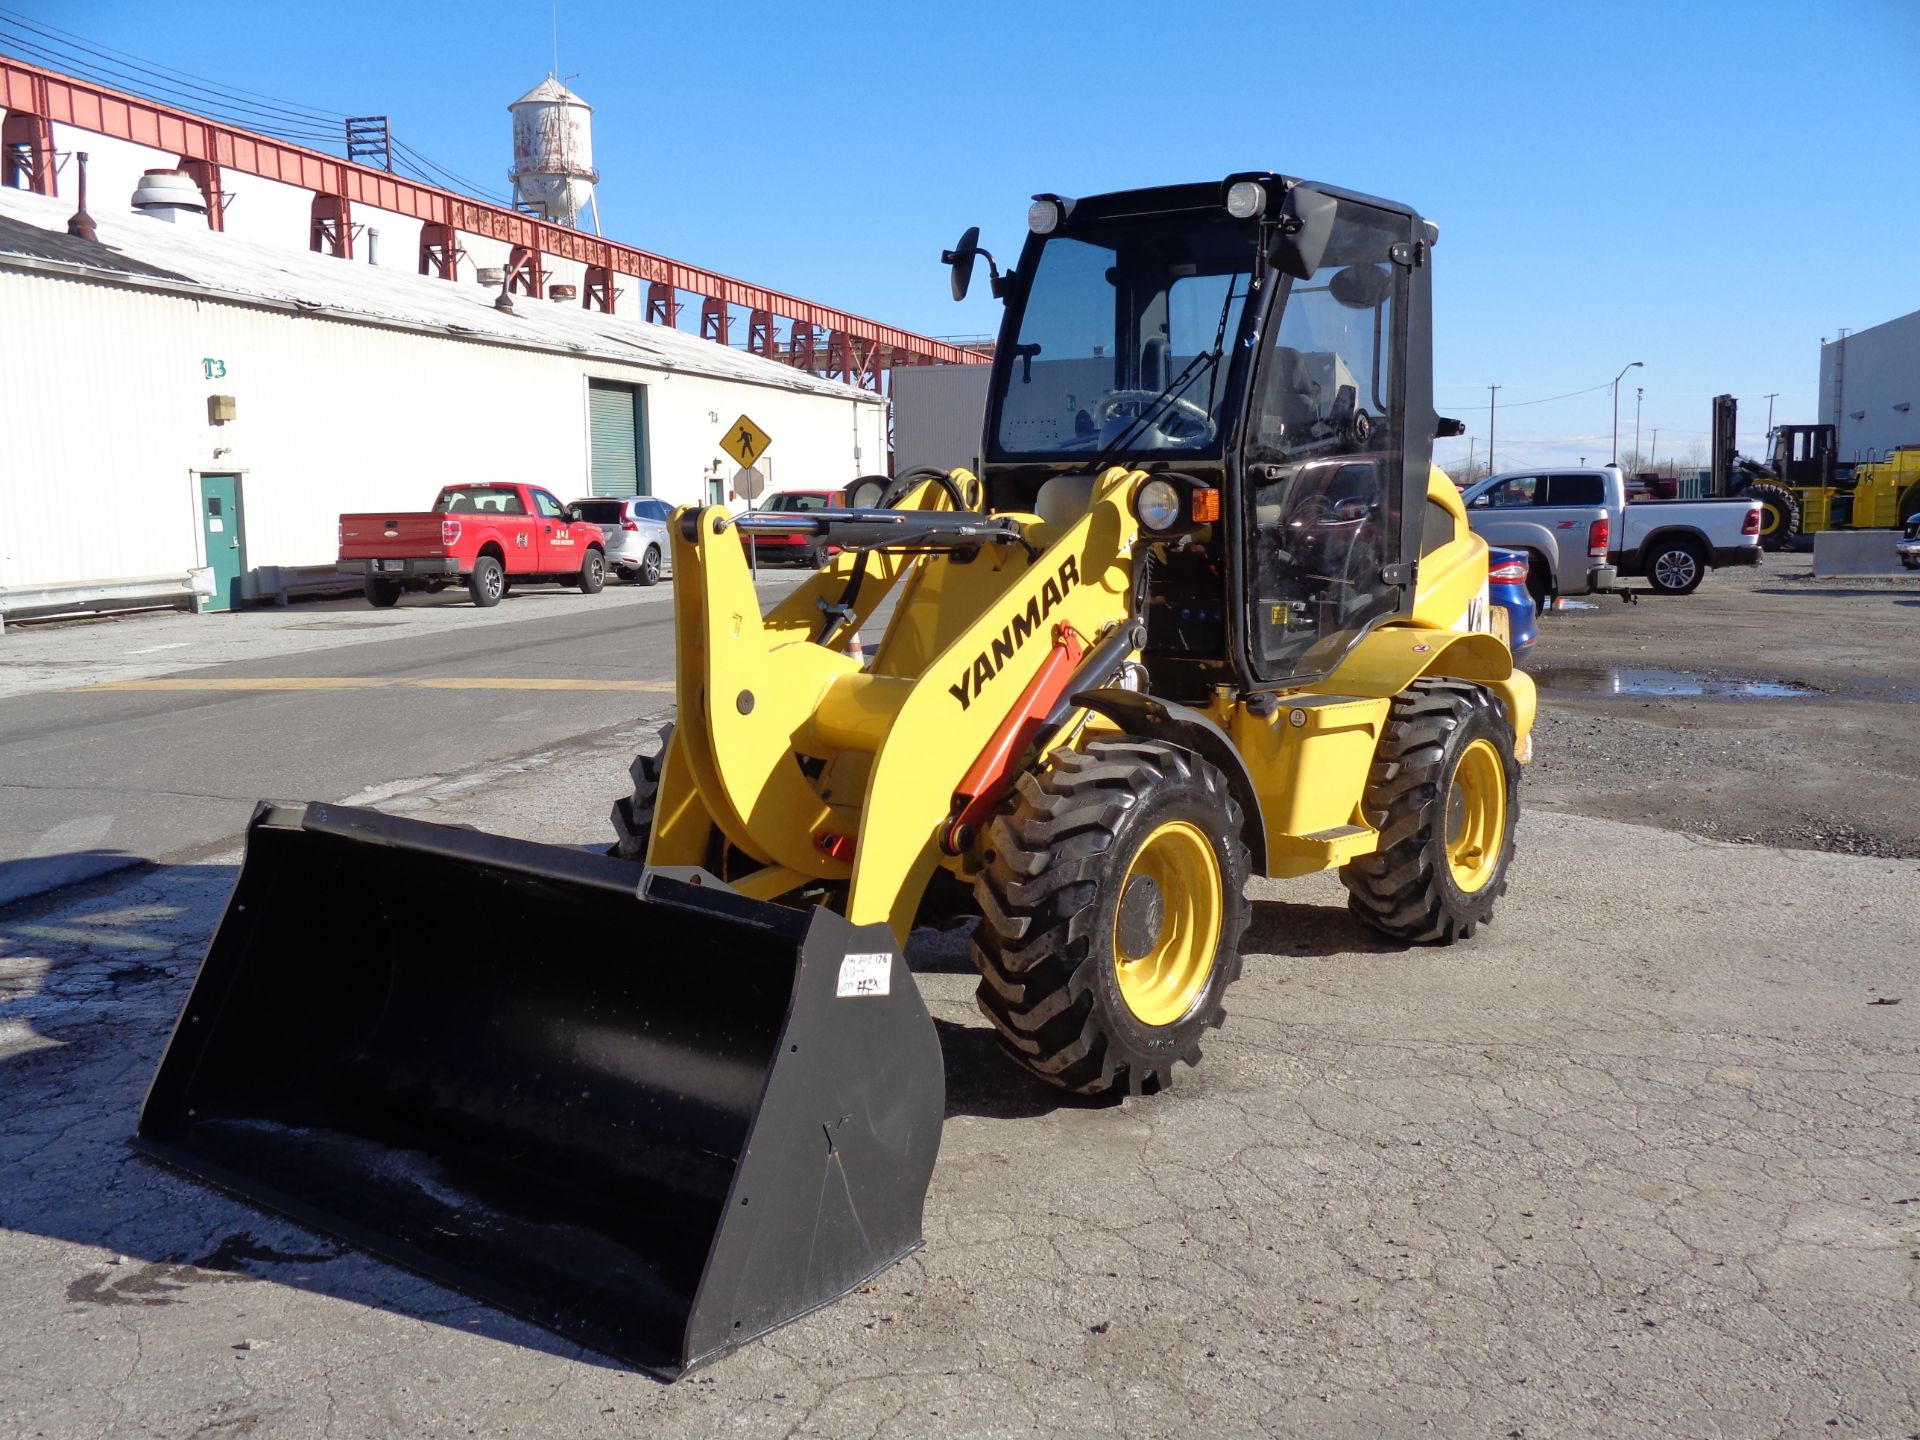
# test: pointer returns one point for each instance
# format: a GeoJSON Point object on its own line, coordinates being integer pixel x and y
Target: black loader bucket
{"type": "Point", "coordinates": [653, 1115]}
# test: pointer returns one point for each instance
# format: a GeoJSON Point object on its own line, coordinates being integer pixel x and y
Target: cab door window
{"type": "Point", "coordinates": [1323, 451]}
{"type": "Point", "coordinates": [1520, 490]}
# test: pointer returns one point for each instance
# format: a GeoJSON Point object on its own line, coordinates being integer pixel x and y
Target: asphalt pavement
{"type": "Point", "coordinates": [1637, 1161]}
{"type": "Point", "coordinates": [149, 738]}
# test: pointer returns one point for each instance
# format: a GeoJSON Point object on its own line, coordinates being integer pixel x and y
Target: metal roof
{"type": "Point", "coordinates": [548, 90]}
{"type": "Point", "coordinates": [146, 253]}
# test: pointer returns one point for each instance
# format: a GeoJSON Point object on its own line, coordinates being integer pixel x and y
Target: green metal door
{"type": "Point", "coordinates": [617, 438]}
{"type": "Point", "coordinates": [226, 548]}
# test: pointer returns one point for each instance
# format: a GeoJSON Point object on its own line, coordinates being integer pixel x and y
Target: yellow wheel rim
{"type": "Point", "coordinates": [1769, 517]}
{"type": "Point", "coordinates": [1166, 927]}
{"type": "Point", "coordinates": [1476, 815]}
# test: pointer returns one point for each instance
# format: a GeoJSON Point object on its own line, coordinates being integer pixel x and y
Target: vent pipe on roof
{"type": "Point", "coordinates": [81, 224]}
{"type": "Point", "coordinates": [373, 246]}
{"type": "Point", "coordinates": [168, 195]}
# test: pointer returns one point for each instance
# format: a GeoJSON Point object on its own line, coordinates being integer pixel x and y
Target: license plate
{"type": "Point", "coordinates": [1502, 625]}
{"type": "Point", "coordinates": [393, 565]}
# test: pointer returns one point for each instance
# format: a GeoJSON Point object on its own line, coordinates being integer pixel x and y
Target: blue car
{"type": "Point", "coordinates": [1507, 588]}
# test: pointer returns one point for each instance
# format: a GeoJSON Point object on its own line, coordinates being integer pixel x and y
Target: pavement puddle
{"type": "Point", "coordinates": [1635, 682]}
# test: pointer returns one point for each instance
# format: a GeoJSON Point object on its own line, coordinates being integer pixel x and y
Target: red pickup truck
{"type": "Point", "coordinates": [488, 535]}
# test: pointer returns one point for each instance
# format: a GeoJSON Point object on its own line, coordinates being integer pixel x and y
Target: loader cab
{"type": "Point", "coordinates": [1261, 337]}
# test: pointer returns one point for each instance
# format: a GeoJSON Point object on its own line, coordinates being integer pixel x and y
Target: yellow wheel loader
{"type": "Point", "coordinates": [1206, 612]}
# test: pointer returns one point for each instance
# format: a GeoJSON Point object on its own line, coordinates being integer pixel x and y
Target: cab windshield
{"type": "Point", "coordinates": [1115, 314]}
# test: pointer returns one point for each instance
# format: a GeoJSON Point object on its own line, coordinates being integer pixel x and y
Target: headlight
{"type": "Point", "coordinates": [1157, 503]}
{"type": "Point", "coordinates": [1043, 217]}
{"type": "Point", "coordinates": [1246, 199]}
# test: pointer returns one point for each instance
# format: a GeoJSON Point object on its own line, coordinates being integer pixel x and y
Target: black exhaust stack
{"type": "Point", "coordinates": [650, 1114]}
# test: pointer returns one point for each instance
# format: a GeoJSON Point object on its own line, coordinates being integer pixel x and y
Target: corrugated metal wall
{"type": "Point", "coordinates": [103, 426]}
{"type": "Point", "coordinates": [938, 414]}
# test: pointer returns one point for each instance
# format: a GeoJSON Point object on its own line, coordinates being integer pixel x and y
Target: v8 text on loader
{"type": "Point", "coordinates": [1207, 612]}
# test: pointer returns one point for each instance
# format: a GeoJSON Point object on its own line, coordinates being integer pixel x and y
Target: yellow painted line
{"type": "Point", "coordinates": [451, 682]}
{"type": "Point", "coordinates": [283, 683]}
{"type": "Point", "coordinates": [516, 684]}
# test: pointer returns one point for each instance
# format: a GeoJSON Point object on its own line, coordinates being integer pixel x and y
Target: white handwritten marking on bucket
{"type": "Point", "coordinates": [864, 975]}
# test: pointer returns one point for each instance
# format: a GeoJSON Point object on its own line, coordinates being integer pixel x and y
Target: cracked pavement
{"type": "Point", "coordinates": [1640, 1160]}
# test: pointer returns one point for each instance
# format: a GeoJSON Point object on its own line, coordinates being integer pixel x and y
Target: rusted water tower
{"type": "Point", "coordinates": [553, 172]}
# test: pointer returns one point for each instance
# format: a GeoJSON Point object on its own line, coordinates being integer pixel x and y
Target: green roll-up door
{"type": "Point", "coordinates": [616, 437]}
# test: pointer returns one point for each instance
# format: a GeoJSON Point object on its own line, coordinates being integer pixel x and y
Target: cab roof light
{"type": "Point", "coordinates": [1048, 213]}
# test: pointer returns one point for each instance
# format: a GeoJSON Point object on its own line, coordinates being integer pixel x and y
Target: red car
{"type": "Point", "coordinates": [487, 535]}
{"type": "Point", "coordinates": [794, 549]}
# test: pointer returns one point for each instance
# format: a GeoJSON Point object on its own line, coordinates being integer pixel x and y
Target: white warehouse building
{"type": "Point", "coordinates": [151, 372]}
{"type": "Point", "coordinates": [1869, 384]}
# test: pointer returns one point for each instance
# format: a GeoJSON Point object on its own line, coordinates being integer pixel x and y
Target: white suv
{"type": "Point", "coordinates": [636, 531]}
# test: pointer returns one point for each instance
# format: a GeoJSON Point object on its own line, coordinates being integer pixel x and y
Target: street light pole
{"type": "Point", "coordinates": [1490, 391]}
{"type": "Point", "coordinates": [1616, 407]}
{"type": "Point", "coordinates": [1638, 391]}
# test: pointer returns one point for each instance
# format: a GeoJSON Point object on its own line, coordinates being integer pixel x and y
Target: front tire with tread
{"type": "Point", "coordinates": [593, 572]}
{"type": "Point", "coordinates": [1406, 888]}
{"type": "Point", "coordinates": [633, 814]}
{"type": "Point", "coordinates": [1047, 945]}
{"type": "Point", "coordinates": [1779, 515]}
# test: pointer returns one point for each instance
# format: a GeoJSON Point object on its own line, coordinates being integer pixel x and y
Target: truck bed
{"type": "Point", "coordinates": [377, 536]}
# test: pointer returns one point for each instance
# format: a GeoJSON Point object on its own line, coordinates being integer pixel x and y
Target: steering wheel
{"type": "Point", "coordinates": [1180, 422]}
{"type": "Point", "coordinates": [898, 487]}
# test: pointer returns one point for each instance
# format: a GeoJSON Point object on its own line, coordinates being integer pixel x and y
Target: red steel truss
{"type": "Point", "coordinates": [857, 349]}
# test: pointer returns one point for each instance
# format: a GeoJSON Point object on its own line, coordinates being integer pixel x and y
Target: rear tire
{"type": "Point", "coordinates": [487, 582]}
{"type": "Point", "coordinates": [1779, 515]}
{"type": "Point", "coordinates": [593, 573]}
{"type": "Point", "coordinates": [649, 572]}
{"type": "Point", "coordinates": [1442, 795]}
{"type": "Point", "coordinates": [1112, 908]}
{"type": "Point", "coordinates": [1676, 566]}
{"type": "Point", "coordinates": [633, 815]}
{"type": "Point", "coordinates": [383, 594]}
{"type": "Point", "coordinates": [1539, 584]}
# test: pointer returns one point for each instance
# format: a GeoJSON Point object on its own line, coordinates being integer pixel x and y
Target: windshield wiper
{"type": "Point", "coordinates": [1175, 388]}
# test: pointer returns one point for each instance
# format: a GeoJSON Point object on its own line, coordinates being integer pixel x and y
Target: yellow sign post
{"type": "Point", "coordinates": [745, 441]}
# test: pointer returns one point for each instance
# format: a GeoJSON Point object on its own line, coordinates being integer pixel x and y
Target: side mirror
{"type": "Point", "coordinates": [1306, 224]}
{"type": "Point", "coordinates": [1483, 502]}
{"type": "Point", "coordinates": [1361, 287]}
{"type": "Point", "coordinates": [960, 259]}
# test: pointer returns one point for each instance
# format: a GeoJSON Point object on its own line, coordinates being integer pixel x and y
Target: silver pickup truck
{"type": "Point", "coordinates": [1583, 534]}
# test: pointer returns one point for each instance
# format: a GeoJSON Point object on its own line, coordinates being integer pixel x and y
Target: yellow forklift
{"type": "Point", "coordinates": [1805, 488]}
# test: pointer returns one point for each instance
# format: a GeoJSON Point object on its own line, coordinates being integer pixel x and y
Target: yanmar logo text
{"type": "Point", "coordinates": [989, 662]}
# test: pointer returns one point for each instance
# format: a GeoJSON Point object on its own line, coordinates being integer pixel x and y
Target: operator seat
{"type": "Point", "coordinates": [1290, 405]}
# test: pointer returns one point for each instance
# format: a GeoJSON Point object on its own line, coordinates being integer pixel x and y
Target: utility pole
{"type": "Point", "coordinates": [1638, 391]}
{"type": "Point", "coordinates": [1655, 449]}
{"type": "Point", "coordinates": [1490, 391]}
{"type": "Point", "coordinates": [1470, 445]}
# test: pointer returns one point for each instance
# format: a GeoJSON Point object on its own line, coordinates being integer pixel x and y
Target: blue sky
{"type": "Point", "coordinates": [1710, 187]}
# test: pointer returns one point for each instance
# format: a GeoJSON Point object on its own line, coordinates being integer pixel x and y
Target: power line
{"type": "Point", "coordinates": [217, 107]}
{"type": "Point", "coordinates": [98, 48]}
{"type": "Point", "coordinates": [281, 120]}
